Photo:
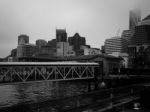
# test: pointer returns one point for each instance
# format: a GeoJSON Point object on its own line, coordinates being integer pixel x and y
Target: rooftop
{"type": "Point", "coordinates": [47, 63]}
{"type": "Point", "coordinates": [147, 18]}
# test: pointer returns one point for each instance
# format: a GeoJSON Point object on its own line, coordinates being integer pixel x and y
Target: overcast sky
{"type": "Point", "coordinates": [94, 19]}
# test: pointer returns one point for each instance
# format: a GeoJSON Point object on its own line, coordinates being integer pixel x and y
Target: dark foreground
{"type": "Point", "coordinates": [71, 96]}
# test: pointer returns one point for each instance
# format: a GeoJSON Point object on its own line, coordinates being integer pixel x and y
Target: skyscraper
{"type": "Point", "coordinates": [77, 41]}
{"type": "Point", "coordinates": [61, 35]}
{"type": "Point", "coordinates": [141, 35]}
{"type": "Point", "coordinates": [23, 39]}
{"type": "Point", "coordinates": [134, 18]}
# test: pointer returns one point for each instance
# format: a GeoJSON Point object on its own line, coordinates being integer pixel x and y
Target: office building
{"type": "Point", "coordinates": [61, 35]}
{"type": "Point", "coordinates": [41, 42]}
{"type": "Point", "coordinates": [52, 43]}
{"type": "Point", "coordinates": [26, 50]}
{"type": "Point", "coordinates": [127, 34]}
{"type": "Point", "coordinates": [134, 18]}
{"type": "Point", "coordinates": [89, 51]}
{"type": "Point", "coordinates": [64, 49]}
{"type": "Point", "coordinates": [76, 41]}
{"type": "Point", "coordinates": [23, 39]}
{"type": "Point", "coordinates": [47, 51]}
{"type": "Point", "coordinates": [14, 52]}
{"type": "Point", "coordinates": [115, 44]}
{"type": "Point", "coordinates": [141, 35]}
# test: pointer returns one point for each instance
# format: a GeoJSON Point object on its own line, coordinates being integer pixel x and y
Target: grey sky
{"type": "Point", "coordinates": [94, 19]}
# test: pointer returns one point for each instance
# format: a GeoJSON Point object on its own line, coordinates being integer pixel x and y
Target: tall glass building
{"type": "Point", "coordinates": [134, 18]}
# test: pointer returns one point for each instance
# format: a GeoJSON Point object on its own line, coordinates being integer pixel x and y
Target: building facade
{"type": "Point", "coordinates": [64, 49]}
{"type": "Point", "coordinates": [115, 44]}
{"type": "Point", "coordinates": [89, 51]}
{"type": "Point", "coordinates": [138, 50]}
{"type": "Point", "coordinates": [41, 42]}
{"type": "Point", "coordinates": [141, 35]}
{"type": "Point", "coordinates": [61, 35]}
{"type": "Point", "coordinates": [23, 39]}
{"type": "Point", "coordinates": [26, 50]}
{"type": "Point", "coordinates": [77, 41]}
{"type": "Point", "coordinates": [134, 18]}
{"type": "Point", "coordinates": [127, 34]}
{"type": "Point", "coordinates": [52, 43]}
{"type": "Point", "coordinates": [47, 50]}
{"type": "Point", "coordinates": [146, 21]}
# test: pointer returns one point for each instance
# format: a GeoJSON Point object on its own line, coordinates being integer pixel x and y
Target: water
{"type": "Point", "coordinates": [33, 93]}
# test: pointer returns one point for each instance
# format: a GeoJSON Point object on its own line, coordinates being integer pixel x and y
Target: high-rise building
{"type": "Point", "coordinates": [23, 39]}
{"type": "Point", "coordinates": [134, 18]}
{"type": "Point", "coordinates": [127, 34]}
{"type": "Point", "coordinates": [41, 42]}
{"type": "Point", "coordinates": [77, 41]}
{"type": "Point", "coordinates": [115, 44]}
{"type": "Point", "coordinates": [61, 35]}
{"type": "Point", "coordinates": [141, 35]}
{"type": "Point", "coordinates": [138, 50]}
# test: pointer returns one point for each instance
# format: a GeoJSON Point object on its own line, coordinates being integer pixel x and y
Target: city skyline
{"type": "Point", "coordinates": [96, 20]}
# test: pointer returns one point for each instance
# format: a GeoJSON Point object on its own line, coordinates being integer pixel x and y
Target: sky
{"type": "Point", "coordinates": [94, 19]}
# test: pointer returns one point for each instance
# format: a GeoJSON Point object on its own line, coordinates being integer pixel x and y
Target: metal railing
{"type": "Point", "coordinates": [103, 99]}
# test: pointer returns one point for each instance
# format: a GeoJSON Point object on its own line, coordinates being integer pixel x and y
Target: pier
{"type": "Point", "coordinates": [52, 71]}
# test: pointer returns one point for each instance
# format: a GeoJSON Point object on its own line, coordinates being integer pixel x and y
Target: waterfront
{"type": "Point", "coordinates": [64, 96]}
{"type": "Point", "coordinates": [36, 92]}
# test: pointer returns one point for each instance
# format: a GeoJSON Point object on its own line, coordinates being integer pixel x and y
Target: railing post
{"type": "Point", "coordinates": [132, 94]}
{"type": "Point", "coordinates": [89, 86]}
{"type": "Point", "coordinates": [111, 97]}
{"type": "Point", "coordinates": [78, 102]}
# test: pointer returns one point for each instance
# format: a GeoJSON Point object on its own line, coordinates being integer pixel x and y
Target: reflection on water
{"type": "Point", "coordinates": [27, 93]}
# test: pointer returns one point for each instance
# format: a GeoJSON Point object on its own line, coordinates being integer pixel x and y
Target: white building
{"type": "Point", "coordinates": [116, 44]}
{"type": "Point", "coordinates": [90, 51]}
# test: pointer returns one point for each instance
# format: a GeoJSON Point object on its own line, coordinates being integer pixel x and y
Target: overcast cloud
{"type": "Point", "coordinates": [94, 19]}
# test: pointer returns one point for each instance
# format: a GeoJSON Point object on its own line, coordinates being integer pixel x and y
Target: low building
{"type": "Point", "coordinates": [64, 49]}
{"type": "Point", "coordinates": [108, 63]}
{"type": "Point", "coordinates": [86, 50]}
{"type": "Point", "coordinates": [26, 50]}
{"type": "Point", "coordinates": [47, 50]}
{"type": "Point", "coordinates": [92, 51]}
{"type": "Point", "coordinates": [125, 57]}
{"type": "Point", "coordinates": [12, 59]}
